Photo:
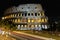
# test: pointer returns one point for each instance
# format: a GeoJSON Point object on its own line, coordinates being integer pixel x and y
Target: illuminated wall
{"type": "Point", "coordinates": [27, 16]}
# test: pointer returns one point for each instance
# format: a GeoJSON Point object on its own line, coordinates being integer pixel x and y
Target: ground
{"type": "Point", "coordinates": [6, 37]}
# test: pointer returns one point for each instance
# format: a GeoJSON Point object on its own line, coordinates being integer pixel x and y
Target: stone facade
{"type": "Point", "coordinates": [27, 17]}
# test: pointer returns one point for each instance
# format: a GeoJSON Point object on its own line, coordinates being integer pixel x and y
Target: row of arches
{"type": "Point", "coordinates": [32, 27]}
{"type": "Point", "coordinates": [29, 20]}
{"type": "Point", "coordinates": [24, 15]}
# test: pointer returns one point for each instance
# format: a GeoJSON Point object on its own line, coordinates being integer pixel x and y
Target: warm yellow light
{"type": "Point", "coordinates": [28, 20]}
{"type": "Point", "coordinates": [45, 20]}
{"type": "Point", "coordinates": [39, 20]}
{"type": "Point", "coordinates": [18, 15]}
{"type": "Point", "coordinates": [32, 26]}
{"type": "Point", "coordinates": [18, 20]}
{"type": "Point", "coordinates": [6, 17]}
{"type": "Point", "coordinates": [32, 20]}
{"type": "Point", "coordinates": [2, 17]}
{"type": "Point", "coordinates": [35, 25]}
{"type": "Point", "coordinates": [15, 20]}
{"type": "Point", "coordinates": [21, 25]}
{"type": "Point", "coordinates": [42, 20]}
{"type": "Point", "coordinates": [25, 25]}
{"type": "Point", "coordinates": [40, 14]}
{"type": "Point", "coordinates": [13, 15]}
{"type": "Point", "coordinates": [21, 14]}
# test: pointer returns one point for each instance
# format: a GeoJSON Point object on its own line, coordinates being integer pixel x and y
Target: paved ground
{"type": "Point", "coordinates": [21, 36]}
{"type": "Point", "coordinates": [18, 36]}
{"type": "Point", "coordinates": [26, 37]}
{"type": "Point", "coordinates": [6, 37]}
{"type": "Point", "coordinates": [29, 36]}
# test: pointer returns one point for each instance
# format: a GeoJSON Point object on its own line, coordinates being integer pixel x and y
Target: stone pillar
{"type": "Point", "coordinates": [40, 28]}
{"type": "Point", "coordinates": [43, 26]}
{"type": "Point", "coordinates": [46, 27]}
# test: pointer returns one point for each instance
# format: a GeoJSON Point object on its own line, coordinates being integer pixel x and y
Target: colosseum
{"type": "Point", "coordinates": [27, 17]}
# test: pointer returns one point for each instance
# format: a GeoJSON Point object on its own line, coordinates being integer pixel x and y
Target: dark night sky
{"type": "Point", "coordinates": [50, 7]}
